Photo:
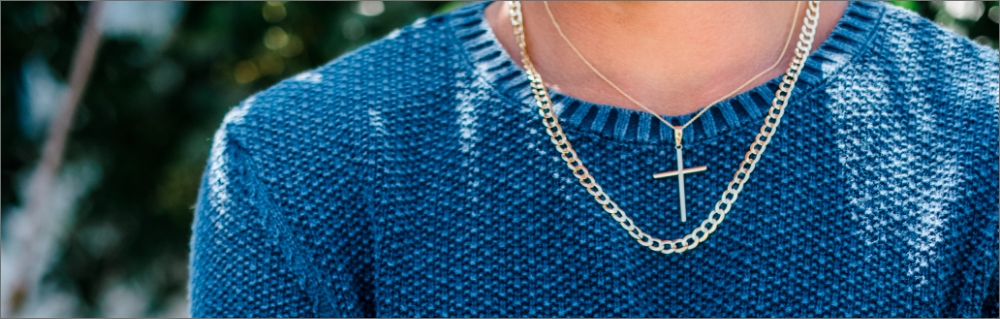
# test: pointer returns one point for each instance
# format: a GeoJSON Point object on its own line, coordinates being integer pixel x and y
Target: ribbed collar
{"type": "Point", "coordinates": [851, 34]}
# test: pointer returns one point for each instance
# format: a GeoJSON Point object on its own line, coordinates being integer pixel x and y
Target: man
{"type": "Point", "coordinates": [426, 173]}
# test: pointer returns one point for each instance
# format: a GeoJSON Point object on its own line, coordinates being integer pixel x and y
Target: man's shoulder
{"type": "Point", "coordinates": [918, 81]}
{"type": "Point", "coordinates": [406, 62]}
{"type": "Point", "coordinates": [929, 66]}
{"type": "Point", "coordinates": [331, 115]}
{"type": "Point", "coordinates": [910, 41]}
{"type": "Point", "coordinates": [409, 67]}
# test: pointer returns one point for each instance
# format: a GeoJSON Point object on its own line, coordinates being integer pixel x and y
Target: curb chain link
{"type": "Point", "coordinates": [556, 135]}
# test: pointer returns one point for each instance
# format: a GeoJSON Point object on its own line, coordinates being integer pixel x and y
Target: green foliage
{"type": "Point", "coordinates": [912, 5]}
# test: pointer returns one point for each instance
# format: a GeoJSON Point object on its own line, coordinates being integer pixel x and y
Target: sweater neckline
{"type": "Point", "coordinates": [489, 59]}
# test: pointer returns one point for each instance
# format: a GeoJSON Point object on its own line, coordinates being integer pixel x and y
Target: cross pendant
{"type": "Point", "coordinates": [680, 172]}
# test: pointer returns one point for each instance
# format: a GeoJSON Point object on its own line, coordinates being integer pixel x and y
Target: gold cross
{"type": "Point", "coordinates": [680, 172]}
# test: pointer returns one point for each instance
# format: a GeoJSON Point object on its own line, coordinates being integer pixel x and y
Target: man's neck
{"type": "Point", "coordinates": [674, 57]}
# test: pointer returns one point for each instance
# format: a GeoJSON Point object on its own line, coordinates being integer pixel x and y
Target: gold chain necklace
{"type": "Point", "coordinates": [678, 130]}
{"type": "Point", "coordinates": [551, 122]}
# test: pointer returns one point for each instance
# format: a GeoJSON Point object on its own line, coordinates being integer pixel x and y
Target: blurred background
{"type": "Point", "coordinates": [101, 229]}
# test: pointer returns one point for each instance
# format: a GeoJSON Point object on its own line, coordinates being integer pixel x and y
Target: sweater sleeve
{"type": "Point", "coordinates": [240, 266]}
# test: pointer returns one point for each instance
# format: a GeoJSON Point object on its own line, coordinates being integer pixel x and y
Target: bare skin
{"type": "Point", "coordinates": [674, 57]}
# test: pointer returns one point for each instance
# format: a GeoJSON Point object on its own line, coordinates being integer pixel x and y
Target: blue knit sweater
{"type": "Point", "coordinates": [412, 177]}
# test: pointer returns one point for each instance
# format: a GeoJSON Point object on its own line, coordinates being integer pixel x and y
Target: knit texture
{"type": "Point", "coordinates": [413, 177]}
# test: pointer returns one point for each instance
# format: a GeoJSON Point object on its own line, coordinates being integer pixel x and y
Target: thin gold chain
{"type": "Point", "coordinates": [556, 135]}
{"type": "Point", "coordinates": [788, 40]}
